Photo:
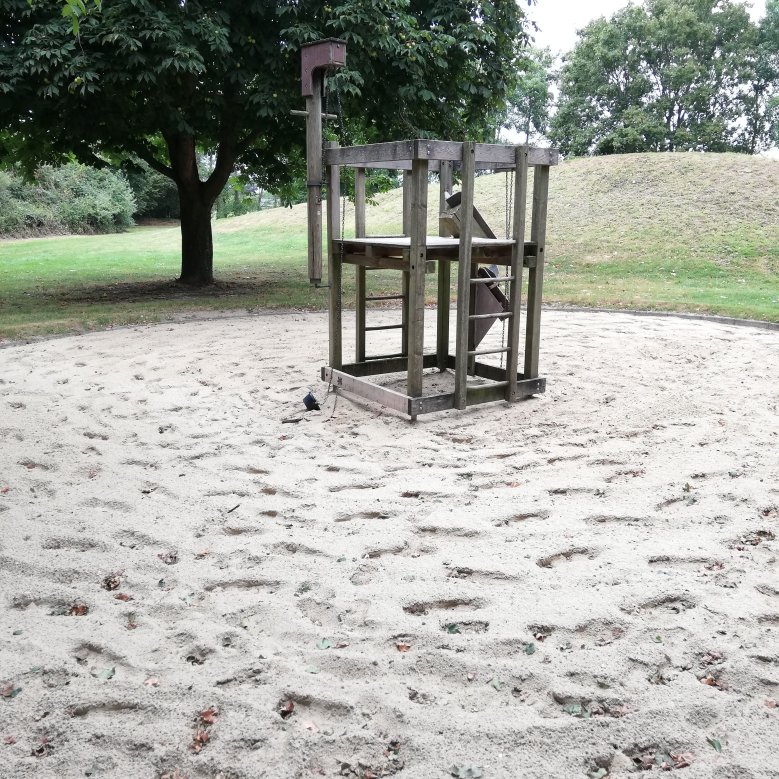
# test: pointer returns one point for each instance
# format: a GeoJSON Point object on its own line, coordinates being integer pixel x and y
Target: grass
{"type": "Point", "coordinates": [674, 232]}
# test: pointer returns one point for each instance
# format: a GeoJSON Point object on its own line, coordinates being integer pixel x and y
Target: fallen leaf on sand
{"type": "Point", "coordinates": [715, 743]}
{"type": "Point", "coordinates": [5, 490]}
{"type": "Point", "coordinates": [123, 596]}
{"type": "Point", "coordinates": [203, 553]}
{"type": "Point", "coordinates": [113, 580]}
{"type": "Point", "coordinates": [199, 740]}
{"type": "Point", "coordinates": [9, 690]}
{"type": "Point", "coordinates": [108, 673]}
{"type": "Point", "coordinates": [681, 761]}
{"type": "Point", "coordinates": [152, 681]}
{"type": "Point", "coordinates": [78, 610]}
{"type": "Point", "coordinates": [209, 715]}
{"type": "Point", "coordinates": [9, 740]}
{"type": "Point", "coordinates": [286, 709]}
{"type": "Point", "coordinates": [770, 703]}
{"type": "Point", "coordinates": [599, 773]}
{"type": "Point", "coordinates": [403, 646]}
{"type": "Point", "coordinates": [325, 643]}
{"type": "Point", "coordinates": [496, 684]}
{"type": "Point", "coordinates": [169, 558]}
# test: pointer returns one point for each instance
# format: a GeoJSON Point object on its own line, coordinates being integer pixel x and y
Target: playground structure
{"type": "Point", "coordinates": [463, 238]}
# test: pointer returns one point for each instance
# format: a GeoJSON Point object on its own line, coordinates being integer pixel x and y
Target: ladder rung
{"type": "Point", "coordinates": [383, 327]}
{"type": "Point", "coordinates": [500, 315]}
{"type": "Point", "coordinates": [488, 351]}
{"type": "Point", "coordinates": [497, 280]}
{"type": "Point", "coordinates": [385, 297]}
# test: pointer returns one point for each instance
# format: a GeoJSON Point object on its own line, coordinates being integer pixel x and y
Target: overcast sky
{"type": "Point", "coordinates": [559, 20]}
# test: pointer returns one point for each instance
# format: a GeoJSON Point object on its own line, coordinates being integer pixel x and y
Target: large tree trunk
{"type": "Point", "coordinates": [197, 246]}
{"type": "Point", "coordinates": [196, 199]}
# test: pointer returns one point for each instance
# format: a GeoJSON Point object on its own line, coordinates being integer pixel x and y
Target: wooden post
{"type": "Point", "coordinates": [536, 274]}
{"type": "Point", "coordinates": [314, 176]}
{"type": "Point", "coordinates": [405, 284]}
{"type": "Point", "coordinates": [517, 261]}
{"type": "Point", "coordinates": [359, 232]}
{"type": "Point", "coordinates": [444, 275]}
{"type": "Point", "coordinates": [417, 263]}
{"type": "Point", "coordinates": [464, 278]}
{"type": "Point", "coordinates": [334, 260]}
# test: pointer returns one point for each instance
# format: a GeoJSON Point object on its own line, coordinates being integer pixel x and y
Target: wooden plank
{"type": "Point", "coordinates": [444, 276]}
{"type": "Point", "coordinates": [373, 152]}
{"type": "Point", "coordinates": [367, 389]}
{"type": "Point", "coordinates": [536, 275]}
{"type": "Point", "coordinates": [360, 277]}
{"type": "Point", "coordinates": [517, 261]}
{"type": "Point", "coordinates": [314, 177]}
{"type": "Point", "coordinates": [379, 366]}
{"type": "Point", "coordinates": [405, 151]}
{"type": "Point", "coordinates": [464, 276]}
{"type": "Point", "coordinates": [334, 259]}
{"type": "Point", "coordinates": [416, 286]}
{"type": "Point", "coordinates": [383, 263]}
{"type": "Point", "coordinates": [431, 403]}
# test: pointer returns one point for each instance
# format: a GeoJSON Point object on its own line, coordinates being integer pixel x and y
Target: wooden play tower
{"type": "Point", "coordinates": [416, 255]}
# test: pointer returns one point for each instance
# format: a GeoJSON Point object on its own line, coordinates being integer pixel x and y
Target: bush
{"type": "Point", "coordinates": [72, 198]}
{"type": "Point", "coordinates": [156, 196]}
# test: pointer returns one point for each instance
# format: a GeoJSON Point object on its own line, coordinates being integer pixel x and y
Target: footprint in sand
{"type": "Point", "coordinates": [421, 608]}
{"type": "Point", "coordinates": [567, 556]}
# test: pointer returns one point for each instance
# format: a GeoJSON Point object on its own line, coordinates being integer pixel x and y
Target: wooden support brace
{"type": "Point", "coordinates": [416, 287]}
{"type": "Point", "coordinates": [334, 258]}
{"type": "Point", "coordinates": [360, 276]}
{"type": "Point", "coordinates": [444, 275]}
{"type": "Point", "coordinates": [464, 279]}
{"type": "Point", "coordinates": [517, 261]}
{"type": "Point", "coordinates": [536, 275]}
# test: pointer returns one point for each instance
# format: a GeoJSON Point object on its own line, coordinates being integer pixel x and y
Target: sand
{"type": "Point", "coordinates": [581, 584]}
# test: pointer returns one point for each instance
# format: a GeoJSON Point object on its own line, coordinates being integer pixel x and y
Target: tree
{"type": "Point", "coordinates": [530, 102]}
{"type": "Point", "coordinates": [761, 96]}
{"type": "Point", "coordinates": [163, 79]}
{"type": "Point", "coordinates": [665, 76]}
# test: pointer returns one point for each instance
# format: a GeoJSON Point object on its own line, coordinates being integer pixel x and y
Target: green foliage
{"type": "Point", "coordinates": [236, 199]}
{"type": "Point", "coordinates": [155, 195]}
{"type": "Point", "coordinates": [668, 75]}
{"type": "Point", "coordinates": [530, 102]}
{"type": "Point", "coordinates": [73, 198]}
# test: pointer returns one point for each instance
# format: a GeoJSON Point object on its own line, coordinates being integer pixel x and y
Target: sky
{"type": "Point", "coordinates": [559, 20]}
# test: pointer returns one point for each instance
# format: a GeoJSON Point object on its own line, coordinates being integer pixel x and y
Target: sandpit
{"type": "Point", "coordinates": [581, 584]}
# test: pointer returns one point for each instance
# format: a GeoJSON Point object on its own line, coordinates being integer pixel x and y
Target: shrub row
{"type": "Point", "coordinates": [71, 198]}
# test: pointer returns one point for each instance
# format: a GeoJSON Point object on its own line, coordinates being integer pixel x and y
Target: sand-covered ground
{"type": "Point", "coordinates": [581, 584]}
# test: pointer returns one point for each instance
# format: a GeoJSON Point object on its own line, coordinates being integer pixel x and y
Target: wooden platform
{"type": "Point", "coordinates": [372, 251]}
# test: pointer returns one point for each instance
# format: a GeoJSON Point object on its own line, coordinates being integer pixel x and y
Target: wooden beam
{"type": "Point", "coordinates": [314, 177]}
{"type": "Point", "coordinates": [367, 389]}
{"type": "Point", "coordinates": [416, 287]}
{"type": "Point", "coordinates": [360, 280]}
{"type": "Point", "coordinates": [464, 278]}
{"type": "Point", "coordinates": [517, 261]}
{"type": "Point", "coordinates": [444, 274]}
{"type": "Point", "coordinates": [377, 367]}
{"type": "Point", "coordinates": [536, 275]}
{"type": "Point", "coordinates": [334, 258]}
{"type": "Point", "coordinates": [405, 151]}
{"type": "Point", "coordinates": [405, 281]}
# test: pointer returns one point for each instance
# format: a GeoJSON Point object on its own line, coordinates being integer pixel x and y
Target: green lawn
{"type": "Point", "coordinates": [665, 232]}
